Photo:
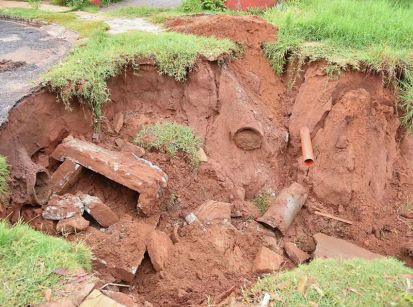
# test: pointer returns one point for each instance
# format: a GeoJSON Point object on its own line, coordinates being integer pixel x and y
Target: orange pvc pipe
{"type": "Point", "coordinates": [307, 147]}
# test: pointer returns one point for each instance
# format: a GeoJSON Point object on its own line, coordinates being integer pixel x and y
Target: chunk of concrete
{"type": "Point", "coordinates": [65, 176]}
{"type": "Point", "coordinates": [62, 207]}
{"type": "Point", "coordinates": [267, 261]}
{"type": "Point", "coordinates": [295, 254]}
{"type": "Point", "coordinates": [72, 225]}
{"type": "Point", "coordinates": [330, 247]}
{"type": "Point", "coordinates": [120, 297]}
{"type": "Point", "coordinates": [98, 210]}
{"type": "Point", "coordinates": [159, 246]}
{"type": "Point", "coordinates": [98, 299]}
{"type": "Point", "coordinates": [212, 210]}
{"type": "Point", "coordinates": [133, 172]}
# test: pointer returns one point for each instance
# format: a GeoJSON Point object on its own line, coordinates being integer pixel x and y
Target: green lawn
{"type": "Point", "coordinates": [4, 176]}
{"type": "Point", "coordinates": [27, 261]}
{"type": "Point", "coordinates": [356, 282]}
{"type": "Point", "coordinates": [368, 35]}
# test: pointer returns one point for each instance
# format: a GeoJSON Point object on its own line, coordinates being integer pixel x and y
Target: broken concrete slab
{"type": "Point", "coordinates": [62, 207]}
{"type": "Point", "coordinates": [330, 247]}
{"type": "Point", "coordinates": [72, 225]}
{"type": "Point", "coordinates": [65, 176]}
{"type": "Point", "coordinates": [98, 210]}
{"type": "Point", "coordinates": [295, 254]}
{"type": "Point", "coordinates": [133, 172]}
{"type": "Point", "coordinates": [159, 246]}
{"type": "Point", "coordinates": [284, 208]}
{"type": "Point", "coordinates": [98, 299]}
{"type": "Point", "coordinates": [120, 298]}
{"type": "Point", "coordinates": [212, 210]}
{"type": "Point", "coordinates": [267, 261]}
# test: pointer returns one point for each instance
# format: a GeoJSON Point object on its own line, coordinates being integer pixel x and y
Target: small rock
{"type": "Point", "coordinates": [119, 142]}
{"type": "Point", "coordinates": [213, 210]}
{"type": "Point", "coordinates": [267, 261]}
{"type": "Point", "coordinates": [190, 218]}
{"type": "Point", "coordinates": [98, 210]}
{"type": "Point", "coordinates": [175, 234]}
{"type": "Point", "coordinates": [98, 299]}
{"type": "Point", "coordinates": [63, 207]}
{"type": "Point", "coordinates": [118, 121]}
{"type": "Point", "coordinates": [271, 243]}
{"type": "Point", "coordinates": [147, 304]}
{"type": "Point", "coordinates": [295, 254]}
{"type": "Point", "coordinates": [330, 247]}
{"type": "Point", "coordinates": [159, 246]}
{"type": "Point", "coordinates": [65, 176]}
{"type": "Point", "coordinates": [136, 150]}
{"type": "Point", "coordinates": [244, 209]}
{"type": "Point", "coordinates": [202, 157]}
{"type": "Point", "coordinates": [120, 297]}
{"type": "Point", "coordinates": [72, 225]}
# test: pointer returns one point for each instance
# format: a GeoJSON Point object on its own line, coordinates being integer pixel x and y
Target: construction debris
{"type": "Point", "coordinates": [330, 247]}
{"type": "Point", "coordinates": [133, 172]}
{"type": "Point", "coordinates": [63, 207]}
{"type": "Point", "coordinates": [212, 210]}
{"type": "Point", "coordinates": [98, 299]}
{"type": "Point", "coordinates": [118, 121]}
{"type": "Point", "coordinates": [159, 246]}
{"type": "Point", "coordinates": [283, 210]}
{"type": "Point", "coordinates": [98, 210]}
{"type": "Point", "coordinates": [330, 216]}
{"type": "Point", "coordinates": [267, 261]}
{"type": "Point", "coordinates": [295, 254]}
{"type": "Point", "coordinates": [72, 225]}
{"type": "Point", "coordinates": [65, 176]}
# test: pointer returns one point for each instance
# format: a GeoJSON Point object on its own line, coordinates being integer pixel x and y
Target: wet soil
{"type": "Point", "coordinates": [363, 165]}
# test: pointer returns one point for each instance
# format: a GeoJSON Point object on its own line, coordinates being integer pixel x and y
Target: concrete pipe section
{"type": "Point", "coordinates": [27, 51]}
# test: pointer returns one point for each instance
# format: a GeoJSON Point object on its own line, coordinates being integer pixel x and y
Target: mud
{"type": "Point", "coordinates": [362, 171]}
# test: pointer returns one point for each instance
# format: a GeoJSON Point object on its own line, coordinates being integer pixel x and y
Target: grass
{"type": "Point", "coordinates": [27, 261]}
{"type": "Point", "coordinates": [84, 73]}
{"type": "Point", "coordinates": [355, 282]}
{"type": "Point", "coordinates": [171, 138]}
{"type": "Point", "coordinates": [66, 19]}
{"type": "Point", "coordinates": [369, 35]}
{"type": "Point", "coordinates": [4, 176]}
{"type": "Point", "coordinates": [261, 201]}
{"type": "Point", "coordinates": [154, 15]}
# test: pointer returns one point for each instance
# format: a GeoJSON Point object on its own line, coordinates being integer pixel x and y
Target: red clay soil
{"type": "Point", "coordinates": [363, 168]}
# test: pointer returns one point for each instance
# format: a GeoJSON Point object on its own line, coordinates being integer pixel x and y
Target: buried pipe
{"type": "Point", "coordinates": [285, 207]}
{"type": "Point", "coordinates": [35, 177]}
{"type": "Point", "coordinates": [307, 147]}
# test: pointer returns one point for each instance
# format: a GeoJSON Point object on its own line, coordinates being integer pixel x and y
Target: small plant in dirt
{"type": "Point", "coordinates": [262, 201]}
{"type": "Point", "coordinates": [196, 6]}
{"type": "Point", "coordinates": [355, 282]}
{"type": "Point", "coordinates": [4, 177]}
{"type": "Point", "coordinates": [28, 259]}
{"type": "Point", "coordinates": [170, 137]}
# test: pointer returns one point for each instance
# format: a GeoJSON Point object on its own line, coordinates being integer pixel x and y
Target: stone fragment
{"type": "Point", "coordinates": [158, 246]}
{"type": "Point", "coordinates": [213, 210]}
{"type": "Point", "coordinates": [98, 210]}
{"type": "Point", "coordinates": [98, 299]}
{"type": "Point", "coordinates": [190, 218]}
{"type": "Point", "coordinates": [120, 298]}
{"type": "Point", "coordinates": [295, 254]}
{"type": "Point", "coordinates": [202, 157]}
{"type": "Point", "coordinates": [62, 207]}
{"type": "Point", "coordinates": [267, 261]}
{"type": "Point", "coordinates": [134, 149]}
{"type": "Point", "coordinates": [245, 209]}
{"type": "Point", "coordinates": [118, 121]}
{"type": "Point", "coordinates": [65, 176]}
{"type": "Point", "coordinates": [330, 247]}
{"type": "Point", "coordinates": [133, 172]}
{"type": "Point", "coordinates": [72, 225]}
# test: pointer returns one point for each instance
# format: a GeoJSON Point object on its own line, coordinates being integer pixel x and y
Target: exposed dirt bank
{"type": "Point", "coordinates": [363, 167]}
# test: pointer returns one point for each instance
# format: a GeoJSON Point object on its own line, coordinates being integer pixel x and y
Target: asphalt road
{"type": "Point", "coordinates": [32, 50]}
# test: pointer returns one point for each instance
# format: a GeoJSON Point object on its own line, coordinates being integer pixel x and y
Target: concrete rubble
{"type": "Point", "coordinates": [65, 176]}
{"type": "Point", "coordinates": [158, 246]}
{"type": "Point", "coordinates": [295, 254]}
{"type": "Point", "coordinates": [72, 225]}
{"type": "Point", "coordinates": [267, 261]}
{"type": "Point", "coordinates": [98, 210]}
{"type": "Point", "coordinates": [330, 247]}
{"type": "Point", "coordinates": [135, 173]}
{"type": "Point", "coordinates": [63, 207]}
{"type": "Point", "coordinates": [212, 210]}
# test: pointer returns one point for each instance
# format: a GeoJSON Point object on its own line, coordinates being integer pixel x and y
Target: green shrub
{"type": "Point", "coordinates": [171, 138]}
{"type": "Point", "coordinates": [213, 5]}
{"type": "Point", "coordinates": [356, 282]}
{"type": "Point", "coordinates": [4, 176]}
{"type": "Point", "coordinates": [27, 261]}
{"type": "Point", "coordinates": [197, 6]}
